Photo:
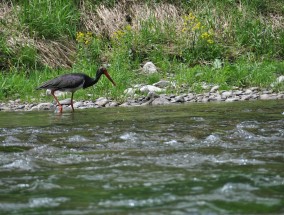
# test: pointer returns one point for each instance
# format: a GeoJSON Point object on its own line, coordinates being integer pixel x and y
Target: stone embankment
{"type": "Point", "coordinates": [153, 96]}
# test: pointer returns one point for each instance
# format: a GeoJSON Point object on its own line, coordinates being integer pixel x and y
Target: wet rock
{"type": "Point", "coordinates": [65, 101]}
{"type": "Point", "coordinates": [254, 96]}
{"type": "Point", "coordinates": [78, 104]}
{"type": "Point", "coordinates": [232, 99]}
{"type": "Point", "coordinates": [149, 68]}
{"type": "Point", "coordinates": [152, 95]}
{"type": "Point", "coordinates": [264, 97]}
{"type": "Point", "coordinates": [267, 96]}
{"type": "Point", "coordinates": [179, 99]}
{"type": "Point", "coordinates": [280, 96]}
{"type": "Point", "coordinates": [238, 92]}
{"type": "Point", "coordinates": [248, 91]}
{"type": "Point", "coordinates": [4, 108]}
{"type": "Point", "coordinates": [101, 102]}
{"type": "Point", "coordinates": [43, 106]}
{"type": "Point", "coordinates": [17, 101]}
{"type": "Point", "coordinates": [20, 107]}
{"type": "Point", "coordinates": [112, 104]}
{"type": "Point", "coordinates": [204, 99]}
{"type": "Point", "coordinates": [190, 97]}
{"type": "Point", "coordinates": [160, 101]}
{"type": "Point", "coordinates": [226, 94]}
{"type": "Point", "coordinates": [125, 104]}
{"type": "Point", "coordinates": [246, 97]}
{"type": "Point", "coordinates": [214, 97]}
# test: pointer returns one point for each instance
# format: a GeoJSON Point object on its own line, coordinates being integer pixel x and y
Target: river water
{"type": "Point", "coordinates": [213, 158]}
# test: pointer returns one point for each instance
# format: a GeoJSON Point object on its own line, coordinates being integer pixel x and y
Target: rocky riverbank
{"type": "Point", "coordinates": [153, 96]}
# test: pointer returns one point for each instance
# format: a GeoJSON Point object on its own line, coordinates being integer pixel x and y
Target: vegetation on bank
{"type": "Point", "coordinates": [227, 43]}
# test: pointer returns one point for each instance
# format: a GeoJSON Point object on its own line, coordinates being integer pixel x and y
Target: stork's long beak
{"type": "Point", "coordinates": [109, 78]}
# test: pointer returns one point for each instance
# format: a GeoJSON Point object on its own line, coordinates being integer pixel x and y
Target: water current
{"type": "Point", "coordinates": [213, 158]}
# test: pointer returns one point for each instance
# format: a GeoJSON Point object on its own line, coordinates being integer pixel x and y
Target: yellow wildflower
{"type": "Point", "coordinates": [205, 35]}
{"type": "Point", "coordinates": [191, 16]}
{"type": "Point", "coordinates": [210, 41]}
{"type": "Point", "coordinates": [128, 28]}
{"type": "Point", "coordinates": [197, 26]}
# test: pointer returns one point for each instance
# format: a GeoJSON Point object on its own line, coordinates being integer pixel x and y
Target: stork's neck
{"type": "Point", "coordinates": [97, 78]}
{"type": "Point", "coordinates": [88, 81]}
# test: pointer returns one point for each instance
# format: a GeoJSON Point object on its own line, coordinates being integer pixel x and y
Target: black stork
{"type": "Point", "coordinates": [73, 82]}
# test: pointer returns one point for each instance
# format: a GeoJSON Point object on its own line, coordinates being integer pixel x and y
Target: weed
{"type": "Point", "coordinates": [49, 19]}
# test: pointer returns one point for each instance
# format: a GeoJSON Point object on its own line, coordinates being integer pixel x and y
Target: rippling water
{"type": "Point", "coordinates": [179, 159]}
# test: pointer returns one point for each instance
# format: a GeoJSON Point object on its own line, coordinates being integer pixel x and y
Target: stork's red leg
{"type": "Point", "coordinates": [60, 106]}
{"type": "Point", "coordinates": [72, 102]}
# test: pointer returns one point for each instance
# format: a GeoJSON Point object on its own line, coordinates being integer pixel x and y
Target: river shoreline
{"type": "Point", "coordinates": [153, 98]}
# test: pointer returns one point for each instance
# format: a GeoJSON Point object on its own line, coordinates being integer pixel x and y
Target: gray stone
{"type": "Point", "coordinates": [179, 99]}
{"type": "Point", "coordinates": [78, 104]}
{"type": "Point", "coordinates": [152, 95]}
{"type": "Point", "coordinates": [112, 104]}
{"type": "Point", "coordinates": [226, 94]}
{"type": "Point", "coordinates": [56, 93]}
{"type": "Point", "coordinates": [130, 91]}
{"type": "Point", "coordinates": [101, 102]}
{"type": "Point", "coordinates": [214, 97]}
{"type": "Point", "coordinates": [65, 101]}
{"type": "Point", "coordinates": [4, 108]}
{"type": "Point", "coordinates": [43, 106]}
{"type": "Point", "coordinates": [280, 96]}
{"type": "Point", "coordinates": [20, 107]}
{"type": "Point", "coordinates": [238, 92]}
{"type": "Point", "coordinates": [214, 89]}
{"type": "Point", "coordinates": [248, 91]}
{"type": "Point", "coordinates": [190, 96]}
{"type": "Point", "coordinates": [149, 68]}
{"type": "Point", "coordinates": [125, 104]}
{"type": "Point", "coordinates": [205, 99]}
{"type": "Point", "coordinates": [265, 97]}
{"type": "Point", "coordinates": [150, 88]}
{"type": "Point", "coordinates": [232, 99]}
{"type": "Point", "coordinates": [160, 101]}
{"type": "Point", "coordinates": [254, 88]}
{"type": "Point", "coordinates": [162, 84]}
{"type": "Point", "coordinates": [280, 79]}
{"type": "Point", "coordinates": [246, 97]}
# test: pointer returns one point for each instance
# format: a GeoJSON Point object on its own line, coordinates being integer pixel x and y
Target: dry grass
{"type": "Point", "coordinates": [105, 21]}
{"type": "Point", "coordinates": [54, 54]}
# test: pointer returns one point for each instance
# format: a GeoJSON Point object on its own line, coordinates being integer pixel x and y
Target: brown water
{"type": "Point", "coordinates": [214, 158]}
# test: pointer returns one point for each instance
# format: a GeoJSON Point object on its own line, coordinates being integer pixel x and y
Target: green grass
{"type": "Point", "coordinates": [49, 19]}
{"type": "Point", "coordinates": [225, 43]}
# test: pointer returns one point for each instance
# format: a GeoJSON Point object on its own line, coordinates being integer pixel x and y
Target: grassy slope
{"type": "Point", "coordinates": [229, 43]}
